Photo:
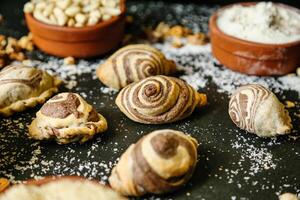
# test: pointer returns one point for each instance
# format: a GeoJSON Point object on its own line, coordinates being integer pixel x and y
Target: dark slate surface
{"type": "Point", "coordinates": [231, 162]}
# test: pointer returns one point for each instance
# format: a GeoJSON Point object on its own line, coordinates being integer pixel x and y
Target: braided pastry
{"type": "Point", "coordinates": [257, 110]}
{"type": "Point", "coordinates": [133, 63]}
{"type": "Point", "coordinates": [159, 162]}
{"type": "Point", "coordinates": [159, 100]}
{"type": "Point", "coordinates": [67, 118]}
{"type": "Point", "coordinates": [23, 87]}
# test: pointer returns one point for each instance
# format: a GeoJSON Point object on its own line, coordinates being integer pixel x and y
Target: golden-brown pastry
{"type": "Point", "coordinates": [257, 110]}
{"type": "Point", "coordinates": [64, 188]}
{"type": "Point", "coordinates": [4, 183]}
{"type": "Point", "coordinates": [159, 162]}
{"type": "Point", "coordinates": [67, 117]}
{"type": "Point", "coordinates": [159, 100]}
{"type": "Point", "coordinates": [23, 87]}
{"type": "Point", "coordinates": [133, 63]}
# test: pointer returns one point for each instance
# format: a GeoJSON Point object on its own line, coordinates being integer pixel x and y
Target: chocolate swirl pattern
{"type": "Point", "coordinates": [67, 117]}
{"type": "Point", "coordinates": [23, 87]}
{"type": "Point", "coordinates": [159, 100]}
{"type": "Point", "coordinates": [257, 110]}
{"type": "Point", "coordinates": [133, 63]}
{"type": "Point", "coordinates": [159, 162]}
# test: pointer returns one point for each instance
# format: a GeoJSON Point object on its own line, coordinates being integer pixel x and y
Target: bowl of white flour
{"type": "Point", "coordinates": [257, 38]}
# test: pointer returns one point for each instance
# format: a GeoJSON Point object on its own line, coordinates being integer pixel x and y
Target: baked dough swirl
{"type": "Point", "coordinates": [257, 110]}
{"type": "Point", "coordinates": [24, 87]}
{"type": "Point", "coordinates": [67, 117]}
{"type": "Point", "coordinates": [159, 162]}
{"type": "Point", "coordinates": [159, 100]}
{"type": "Point", "coordinates": [133, 63]}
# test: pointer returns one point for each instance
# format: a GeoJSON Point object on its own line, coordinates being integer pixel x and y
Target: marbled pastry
{"type": "Point", "coordinates": [159, 162]}
{"type": "Point", "coordinates": [257, 110]}
{"type": "Point", "coordinates": [159, 100]}
{"type": "Point", "coordinates": [64, 188]}
{"type": "Point", "coordinates": [67, 117]}
{"type": "Point", "coordinates": [23, 87]}
{"type": "Point", "coordinates": [133, 63]}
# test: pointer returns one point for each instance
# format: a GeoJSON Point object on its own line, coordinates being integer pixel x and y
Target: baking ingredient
{"type": "Point", "coordinates": [73, 13]}
{"type": "Point", "coordinates": [69, 60]}
{"type": "Point", "coordinates": [159, 162]}
{"type": "Point", "coordinates": [61, 189]}
{"type": "Point", "coordinates": [12, 49]}
{"type": "Point", "coordinates": [257, 110]}
{"type": "Point", "coordinates": [265, 22]}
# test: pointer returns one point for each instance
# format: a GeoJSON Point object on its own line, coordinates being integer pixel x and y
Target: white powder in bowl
{"type": "Point", "coordinates": [264, 22]}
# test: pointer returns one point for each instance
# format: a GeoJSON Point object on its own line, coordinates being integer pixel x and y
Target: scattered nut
{"type": "Point", "coordinates": [179, 31]}
{"type": "Point", "coordinates": [69, 61]}
{"type": "Point", "coordinates": [197, 39]}
{"type": "Point", "coordinates": [177, 43]}
{"type": "Point", "coordinates": [12, 49]}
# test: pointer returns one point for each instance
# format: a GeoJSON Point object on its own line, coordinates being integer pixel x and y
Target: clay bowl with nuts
{"type": "Point", "coordinates": [250, 57]}
{"type": "Point", "coordinates": [79, 42]}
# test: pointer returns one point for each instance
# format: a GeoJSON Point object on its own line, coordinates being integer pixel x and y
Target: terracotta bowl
{"type": "Point", "coordinates": [250, 57]}
{"type": "Point", "coordinates": [81, 42]}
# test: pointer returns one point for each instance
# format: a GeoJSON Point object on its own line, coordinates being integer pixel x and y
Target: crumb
{"type": "Point", "coordinates": [4, 183]}
{"type": "Point", "coordinates": [288, 196]}
{"type": "Point", "coordinates": [129, 19]}
{"type": "Point", "coordinates": [69, 60]}
{"type": "Point", "coordinates": [289, 104]}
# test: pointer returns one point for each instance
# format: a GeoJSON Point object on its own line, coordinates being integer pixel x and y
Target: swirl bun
{"type": "Point", "coordinates": [159, 162]}
{"type": "Point", "coordinates": [133, 63]}
{"type": "Point", "coordinates": [257, 110]}
{"type": "Point", "coordinates": [159, 100]}
{"type": "Point", "coordinates": [24, 87]}
{"type": "Point", "coordinates": [67, 117]}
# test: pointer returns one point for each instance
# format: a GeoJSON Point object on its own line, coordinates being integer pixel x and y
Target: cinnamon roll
{"type": "Point", "coordinates": [67, 117]}
{"type": "Point", "coordinates": [133, 63]}
{"type": "Point", "coordinates": [159, 100]}
{"type": "Point", "coordinates": [257, 110]}
{"type": "Point", "coordinates": [159, 162]}
{"type": "Point", "coordinates": [23, 87]}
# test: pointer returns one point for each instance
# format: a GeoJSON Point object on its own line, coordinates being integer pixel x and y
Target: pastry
{"type": "Point", "coordinates": [257, 110]}
{"type": "Point", "coordinates": [159, 162]}
{"type": "Point", "coordinates": [133, 63]}
{"type": "Point", "coordinates": [64, 188]}
{"type": "Point", "coordinates": [4, 183]}
{"type": "Point", "coordinates": [67, 117]}
{"type": "Point", "coordinates": [159, 100]}
{"type": "Point", "coordinates": [24, 87]}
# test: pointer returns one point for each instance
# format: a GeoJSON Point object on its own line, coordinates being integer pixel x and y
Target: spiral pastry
{"type": "Point", "coordinates": [133, 63]}
{"type": "Point", "coordinates": [67, 117]}
{"type": "Point", "coordinates": [159, 100]}
{"type": "Point", "coordinates": [159, 162]}
{"type": "Point", "coordinates": [24, 87]}
{"type": "Point", "coordinates": [257, 110]}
